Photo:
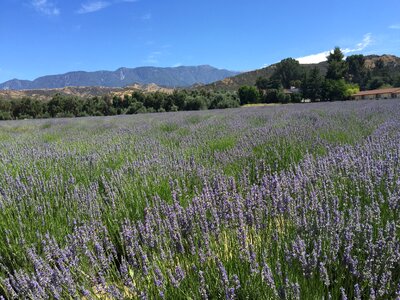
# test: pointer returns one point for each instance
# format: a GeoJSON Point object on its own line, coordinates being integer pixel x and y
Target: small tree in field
{"type": "Point", "coordinates": [248, 94]}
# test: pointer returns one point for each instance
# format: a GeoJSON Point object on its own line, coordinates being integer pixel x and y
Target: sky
{"type": "Point", "coordinates": [43, 37]}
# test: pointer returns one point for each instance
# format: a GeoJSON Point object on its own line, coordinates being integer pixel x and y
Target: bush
{"type": "Point", "coordinates": [5, 115]}
{"type": "Point", "coordinates": [227, 103]}
{"type": "Point", "coordinates": [248, 94]}
{"type": "Point", "coordinates": [142, 110]}
{"type": "Point", "coordinates": [295, 98]}
{"type": "Point", "coordinates": [195, 103]}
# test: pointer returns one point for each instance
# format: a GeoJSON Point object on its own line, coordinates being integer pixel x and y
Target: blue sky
{"type": "Point", "coordinates": [42, 37]}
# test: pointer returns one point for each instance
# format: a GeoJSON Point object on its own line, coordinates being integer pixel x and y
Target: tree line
{"type": "Point", "coordinates": [72, 106]}
{"type": "Point", "coordinates": [292, 82]}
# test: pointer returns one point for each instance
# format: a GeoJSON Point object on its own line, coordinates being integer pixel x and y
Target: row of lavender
{"type": "Point", "coordinates": [128, 213]}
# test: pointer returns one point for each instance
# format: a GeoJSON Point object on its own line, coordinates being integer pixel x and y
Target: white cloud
{"type": "Point", "coordinates": [319, 57]}
{"type": "Point", "coordinates": [90, 7]}
{"type": "Point", "coordinates": [174, 66]}
{"type": "Point", "coordinates": [395, 26]}
{"type": "Point", "coordinates": [313, 58]}
{"type": "Point", "coordinates": [151, 60]}
{"type": "Point", "coordinates": [153, 57]}
{"type": "Point", "coordinates": [94, 6]}
{"type": "Point", "coordinates": [367, 40]}
{"type": "Point", "coordinates": [46, 7]}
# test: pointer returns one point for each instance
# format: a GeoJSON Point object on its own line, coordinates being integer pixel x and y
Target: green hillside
{"type": "Point", "coordinates": [384, 65]}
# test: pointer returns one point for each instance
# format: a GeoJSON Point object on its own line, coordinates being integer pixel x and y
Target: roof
{"type": "Point", "coordinates": [291, 90]}
{"type": "Point", "coordinates": [380, 91]}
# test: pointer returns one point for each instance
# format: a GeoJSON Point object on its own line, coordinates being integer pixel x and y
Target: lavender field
{"type": "Point", "coordinates": [286, 202]}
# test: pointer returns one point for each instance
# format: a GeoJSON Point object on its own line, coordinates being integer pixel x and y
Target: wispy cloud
{"type": "Point", "coordinates": [367, 40]}
{"type": "Point", "coordinates": [90, 7]}
{"type": "Point", "coordinates": [93, 6]}
{"type": "Point", "coordinates": [319, 57]}
{"type": "Point", "coordinates": [153, 57]}
{"type": "Point", "coordinates": [45, 7]}
{"type": "Point", "coordinates": [395, 26]}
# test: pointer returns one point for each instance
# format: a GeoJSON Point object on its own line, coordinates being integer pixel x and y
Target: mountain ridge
{"type": "Point", "coordinates": [182, 76]}
{"type": "Point", "coordinates": [249, 78]}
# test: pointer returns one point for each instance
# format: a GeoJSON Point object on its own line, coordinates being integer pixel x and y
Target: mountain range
{"type": "Point", "coordinates": [182, 76]}
{"type": "Point", "coordinates": [150, 79]}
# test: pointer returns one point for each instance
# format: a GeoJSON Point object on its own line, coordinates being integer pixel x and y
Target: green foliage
{"type": "Point", "coordinates": [71, 106]}
{"type": "Point", "coordinates": [357, 72]}
{"type": "Point", "coordinates": [351, 89]}
{"type": "Point", "coordinates": [344, 78]}
{"type": "Point", "coordinates": [248, 94]}
{"type": "Point", "coordinates": [275, 96]}
{"type": "Point", "coordinates": [288, 71]}
{"type": "Point", "coordinates": [375, 83]}
{"type": "Point", "coordinates": [295, 97]}
{"type": "Point", "coordinates": [195, 103]}
{"type": "Point", "coordinates": [5, 115]}
{"type": "Point", "coordinates": [312, 84]}
{"type": "Point", "coordinates": [397, 81]}
{"type": "Point", "coordinates": [337, 67]}
{"type": "Point", "coordinates": [224, 101]}
{"type": "Point", "coordinates": [262, 83]}
{"type": "Point", "coordinates": [338, 89]}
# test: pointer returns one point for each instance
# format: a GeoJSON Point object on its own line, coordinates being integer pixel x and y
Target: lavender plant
{"type": "Point", "coordinates": [285, 202]}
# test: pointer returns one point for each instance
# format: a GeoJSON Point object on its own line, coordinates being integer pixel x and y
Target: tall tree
{"type": "Point", "coordinates": [311, 85]}
{"type": "Point", "coordinates": [337, 67]}
{"type": "Point", "coordinates": [288, 71]}
{"type": "Point", "coordinates": [357, 72]}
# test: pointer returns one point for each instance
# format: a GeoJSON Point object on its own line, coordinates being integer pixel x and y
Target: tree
{"type": "Point", "coordinates": [274, 83]}
{"type": "Point", "coordinates": [288, 71]}
{"type": "Point", "coordinates": [382, 73]}
{"type": "Point", "coordinates": [338, 89]}
{"type": "Point", "coordinates": [135, 108]}
{"type": "Point", "coordinates": [195, 103]}
{"type": "Point", "coordinates": [262, 83]}
{"type": "Point", "coordinates": [54, 105]}
{"type": "Point", "coordinates": [312, 85]}
{"type": "Point", "coordinates": [248, 94]}
{"type": "Point", "coordinates": [138, 97]}
{"type": "Point", "coordinates": [276, 96]}
{"type": "Point", "coordinates": [357, 72]}
{"type": "Point", "coordinates": [375, 83]}
{"type": "Point", "coordinates": [179, 99]}
{"type": "Point", "coordinates": [337, 67]}
{"type": "Point", "coordinates": [396, 82]}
